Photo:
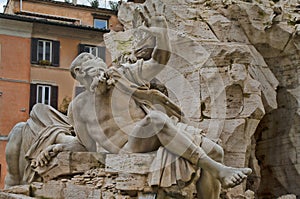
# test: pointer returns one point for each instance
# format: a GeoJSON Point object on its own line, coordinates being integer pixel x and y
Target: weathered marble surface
{"type": "Point", "coordinates": [103, 182]}
{"type": "Point", "coordinates": [273, 29]}
{"type": "Point", "coordinates": [216, 73]}
{"type": "Point", "coordinates": [229, 57]}
{"type": "Point", "coordinates": [264, 37]}
{"type": "Point", "coordinates": [69, 163]}
{"type": "Point", "coordinates": [128, 179]}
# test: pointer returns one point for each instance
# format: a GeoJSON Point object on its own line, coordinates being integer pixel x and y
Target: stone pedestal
{"type": "Point", "coordinates": [124, 176]}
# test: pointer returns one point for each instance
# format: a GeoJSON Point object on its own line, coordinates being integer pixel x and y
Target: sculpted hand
{"type": "Point", "coordinates": [155, 24]}
{"type": "Point", "coordinates": [110, 73]}
{"type": "Point", "coordinates": [131, 58]}
{"type": "Point", "coordinates": [46, 155]}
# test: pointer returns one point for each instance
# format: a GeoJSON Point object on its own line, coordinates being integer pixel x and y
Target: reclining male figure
{"type": "Point", "coordinates": [109, 115]}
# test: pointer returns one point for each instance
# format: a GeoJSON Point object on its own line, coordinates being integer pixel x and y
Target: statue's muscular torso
{"type": "Point", "coordinates": [104, 118]}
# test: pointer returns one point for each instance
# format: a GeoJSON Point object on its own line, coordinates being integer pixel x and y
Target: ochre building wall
{"type": "Point", "coordinates": [14, 88]}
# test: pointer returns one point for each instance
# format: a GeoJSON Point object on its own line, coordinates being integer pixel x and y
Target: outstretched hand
{"type": "Point", "coordinates": [46, 155]}
{"type": "Point", "coordinates": [154, 23]}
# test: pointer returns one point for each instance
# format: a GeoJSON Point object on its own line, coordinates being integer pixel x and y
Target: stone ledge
{"type": "Point", "coordinates": [83, 175]}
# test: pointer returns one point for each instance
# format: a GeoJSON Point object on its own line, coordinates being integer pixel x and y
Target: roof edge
{"type": "Point", "coordinates": [73, 5]}
{"type": "Point", "coordinates": [44, 21]}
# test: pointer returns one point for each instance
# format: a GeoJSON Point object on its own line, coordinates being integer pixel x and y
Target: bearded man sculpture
{"type": "Point", "coordinates": [118, 113]}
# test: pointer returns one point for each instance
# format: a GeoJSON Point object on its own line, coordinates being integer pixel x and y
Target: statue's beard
{"type": "Point", "coordinates": [100, 78]}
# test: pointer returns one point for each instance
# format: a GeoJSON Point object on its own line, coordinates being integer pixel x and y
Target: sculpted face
{"type": "Point", "coordinates": [238, 72]}
{"type": "Point", "coordinates": [87, 69]}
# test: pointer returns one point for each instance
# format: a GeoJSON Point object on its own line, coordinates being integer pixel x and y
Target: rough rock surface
{"type": "Point", "coordinates": [216, 73]}
{"type": "Point", "coordinates": [234, 70]}
{"type": "Point", "coordinates": [113, 176]}
{"type": "Point", "coordinates": [273, 29]}
{"type": "Point", "coordinates": [235, 66]}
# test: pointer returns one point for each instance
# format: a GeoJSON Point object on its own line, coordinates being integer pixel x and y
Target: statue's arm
{"type": "Point", "coordinates": [162, 50]}
{"type": "Point", "coordinates": [70, 113]}
{"type": "Point", "coordinates": [63, 142]}
{"type": "Point", "coordinates": [157, 63]}
{"type": "Point", "coordinates": [64, 138]}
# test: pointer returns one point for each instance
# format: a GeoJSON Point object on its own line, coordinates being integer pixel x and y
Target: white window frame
{"type": "Point", "coordinates": [43, 94]}
{"type": "Point", "coordinates": [44, 50]}
{"type": "Point", "coordinates": [104, 20]}
{"type": "Point", "coordinates": [92, 49]}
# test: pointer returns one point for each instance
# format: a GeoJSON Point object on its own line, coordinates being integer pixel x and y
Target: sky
{"type": "Point", "coordinates": [84, 2]}
{"type": "Point", "coordinates": [2, 3]}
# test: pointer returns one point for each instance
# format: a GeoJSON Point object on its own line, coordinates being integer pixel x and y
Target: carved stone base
{"type": "Point", "coordinates": [83, 175]}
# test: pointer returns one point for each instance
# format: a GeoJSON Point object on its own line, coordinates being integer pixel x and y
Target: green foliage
{"type": "Point", "coordinates": [261, 13]}
{"type": "Point", "coordinates": [114, 5]}
{"type": "Point", "coordinates": [63, 107]}
{"type": "Point", "coordinates": [292, 23]}
{"type": "Point", "coordinates": [94, 3]}
{"type": "Point", "coordinates": [44, 62]}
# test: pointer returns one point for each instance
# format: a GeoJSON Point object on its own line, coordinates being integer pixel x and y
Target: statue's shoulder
{"type": "Point", "coordinates": [81, 98]}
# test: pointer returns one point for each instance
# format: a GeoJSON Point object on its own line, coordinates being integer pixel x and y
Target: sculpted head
{"type": "Point", "coordinates": [238, 72]}
{"type": "Point", "coordinates": [87, 64]}
{"type": "Point", "coordinates": [87, 69]}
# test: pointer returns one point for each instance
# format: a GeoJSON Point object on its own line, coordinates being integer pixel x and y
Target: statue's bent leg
{"type": "Point", "coordinates": [12, 152]}
{"type": "Point", "coordinates": [208, 187]}
{"type": "Point", "coordinates": [157, 128]}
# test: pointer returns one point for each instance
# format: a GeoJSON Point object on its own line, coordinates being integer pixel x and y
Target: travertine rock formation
{"type": "Point", "coordinates": [226, 53]}
{"type": "Point", "coordinates": [273, 28]}
{"type": "Point", "coordinates": [105, 176]}
{"type": "Point", "coordinates": [216, 72]}
{"type": "Point", "coordinates": [235, 71]}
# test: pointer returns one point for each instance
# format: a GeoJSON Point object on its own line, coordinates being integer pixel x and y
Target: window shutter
{"type": "Point", "coordinates": [34, 42]}
{"type": "Point", "coordinates": [55, 53]}
{"type": "Point", "coordinates": [78, 90]}
{"type": "Point", "coordinates": [54, 96]}
{"type": "Point", "coordinates": [32, 100]}
{"type": "Point", "coordinates": [80, 48]}
{"type": "Point", "coordinates": [101, 52]}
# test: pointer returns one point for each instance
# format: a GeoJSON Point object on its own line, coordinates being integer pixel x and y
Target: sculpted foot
{"type": "Point", "coordinates": [231, 177]}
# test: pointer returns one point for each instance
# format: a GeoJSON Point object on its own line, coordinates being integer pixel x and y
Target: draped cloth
{"type": "Point", "coordinates": [41, 131]}
{"type": "Point", "coordinates": [167, 169]}
{"type": "Point", "coordinates": [129, 81]}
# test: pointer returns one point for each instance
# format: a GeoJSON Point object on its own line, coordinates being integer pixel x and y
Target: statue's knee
{"type": "Point", "coordinates": [15, 137]}
{"type": "Point", "coordinates": [212, 149]}
{"type": "Point", "coordinates": [40, 107]}
{"type": "Point", "coordinates": [218, 153]}
{"type": "Point", "coordinates": [156, 118]}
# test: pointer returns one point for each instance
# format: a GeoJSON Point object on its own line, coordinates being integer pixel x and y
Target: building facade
{"type": "Point", "coordinates": [38, 41]}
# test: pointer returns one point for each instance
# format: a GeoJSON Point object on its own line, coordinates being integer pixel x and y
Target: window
{"type": "Point", "coordinates": [91, 49]}
{"type": "Point", "coordinates": [78, 90]}
{"type": "Point", "coordinates": [98, 51]}
{"type": "Point", "coordinates": [100, 23]}
{"type": "Point", "coordinates": [45, 94]}
{"type": "Point", "coordinates": [45, 52]}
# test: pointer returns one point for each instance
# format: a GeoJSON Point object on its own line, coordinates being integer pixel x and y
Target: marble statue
{"type": "Point", "coordinates": [44, 130]}
{"type": "Point", "coordinates": [118, 113]}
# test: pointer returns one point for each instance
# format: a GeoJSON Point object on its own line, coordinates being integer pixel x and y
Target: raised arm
{"type": "Point", "coordinates": [156, 26]}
